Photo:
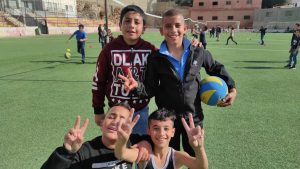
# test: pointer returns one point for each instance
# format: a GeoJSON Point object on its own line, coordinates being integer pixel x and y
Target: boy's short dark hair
{"type": "Point", "coordinates": [122, 104]}
{"type": "Point", "coordinates": [171, 12]}
{"type": "Point", "coordinates": [162, 115]}
{"type": "Point", "coordinates": [135, 9]}
{"type": "Point", "coordinates": [80, 26]}
{"type": "Point", "coordinates": [298, 24]}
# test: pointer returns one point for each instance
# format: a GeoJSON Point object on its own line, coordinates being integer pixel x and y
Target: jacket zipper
{"type": "Point", "coordinates": [178, 78]}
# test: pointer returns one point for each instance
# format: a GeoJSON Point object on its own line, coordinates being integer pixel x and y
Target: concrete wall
{"type": "Point", "coordinates": [279, 18]}
{"type": "Point", "coordinates": [30, 31]}
{"type": "Point", "coordinates": [17, 31]}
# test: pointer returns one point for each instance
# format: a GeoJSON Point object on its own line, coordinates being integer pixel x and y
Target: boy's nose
{"type": "Point", "coordinates": [131, 24]}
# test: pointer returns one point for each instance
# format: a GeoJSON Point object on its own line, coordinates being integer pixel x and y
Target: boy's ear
{"type": "Point", "coordinates": [173, 132]}
{"type": "Point", "coordinates": [148, 131]}
{"type": "Point", "coordinates": [120, 26]}
{"type": "Point", "coordinates": [185, 28]}
{"type": "Point", "coordinates": [161, 31]}
{"type": "Point", "coordinates": [144, 28]}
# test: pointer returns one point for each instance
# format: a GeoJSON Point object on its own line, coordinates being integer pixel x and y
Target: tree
{"type": "Point", "coordinates": [272, 3]}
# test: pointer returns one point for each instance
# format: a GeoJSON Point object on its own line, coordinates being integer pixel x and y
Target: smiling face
{"type": "Point", "coordinates": [115, 115]}
{"type": "Point", "coordinates": [161, 132]}
{"type": "Point", "coordinates": [173, 29]}
{"type": "Point", "coordinates": [132, 27]}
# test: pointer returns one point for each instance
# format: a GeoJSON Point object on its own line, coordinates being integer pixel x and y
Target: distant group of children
{"type": "Point", "coordinates": [213, 32]}
{"type": "Point", "coordinates": [129, 72]}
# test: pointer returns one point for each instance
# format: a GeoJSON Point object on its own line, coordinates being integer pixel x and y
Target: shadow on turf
{"type": "Point", "coordinates": [33, 70]}
{"type": "Point", "coordinates": [33, 80]}
{"type": "Point", "coordinates": [259, 67]}
{"type": "Point", "coordinates": [63, 62]}
{"type": "Point", "coordinates": [260, 61]}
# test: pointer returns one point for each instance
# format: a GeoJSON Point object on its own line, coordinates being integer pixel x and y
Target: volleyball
{"type": "Point", "coordinates": [213, 90]}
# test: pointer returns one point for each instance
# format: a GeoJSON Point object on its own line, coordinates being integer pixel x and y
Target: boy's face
{"type": "Point", "coordinates": [161, 132]}
{"type": "Point", "coordinates": [132, 27]}
{"type": "Point", "coordinates": [173, 29]}
{"type": "Point", "coordinates": [81, 29]}
{"type": "Point", "coordinates": [112, 119]}
{"type": "Point", "coordinates": [297, 33]}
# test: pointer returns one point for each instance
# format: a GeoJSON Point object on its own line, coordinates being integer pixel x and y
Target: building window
{"type": "Point", "coordinates": [201, 3]}
{"type": "Point", "coordinates": [268, 14]}
{"type": "Point", "coordinates": [228, 2]}
{"type": "Point", "coordinates": [215, 18]}
{"type": "Point", "coordinates": [215, 3]}
{"type": "Point", "coordinates": [288, 13]}
{"type": "Point", "coordinates": [247, 17]}
{"type": "Point", "coordinates": [200, 18]}
{"type": "Point", "coordinates": [249, 2]}
{"type": "Point", "coordinates": [229, 17]}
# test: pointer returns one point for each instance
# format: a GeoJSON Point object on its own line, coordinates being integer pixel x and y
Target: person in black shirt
{"type": "Point", "coordinates": [296, 26]}
{"type": "Point", "coordinates": [262, 31]}
{"type": "Point", "coordinates": [99, 152]}
{"type": "Point", "coordinates": [294, 50]}
{"type": "Point", "coordinates": [202, 36]}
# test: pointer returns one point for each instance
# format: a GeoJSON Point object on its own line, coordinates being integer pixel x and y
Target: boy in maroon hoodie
{"type": "Point", "coordinates": [128, 50]}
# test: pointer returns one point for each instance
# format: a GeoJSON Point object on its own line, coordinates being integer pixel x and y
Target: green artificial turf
{"type": "Point", "coordinates": [41, 93]}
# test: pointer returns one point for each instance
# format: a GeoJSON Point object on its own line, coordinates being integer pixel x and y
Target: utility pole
{"type": "Point", "coordinates": [106, 16]}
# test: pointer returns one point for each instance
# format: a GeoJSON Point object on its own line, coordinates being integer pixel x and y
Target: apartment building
{"type": "Point", "coordinates": [237, 13]}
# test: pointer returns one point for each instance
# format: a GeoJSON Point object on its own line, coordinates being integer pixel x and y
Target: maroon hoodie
{"type": "Point", "coordinates": [115, 58]}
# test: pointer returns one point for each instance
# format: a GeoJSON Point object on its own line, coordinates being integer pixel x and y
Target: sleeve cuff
{"type": "Point", "coordinates": [98, 110]}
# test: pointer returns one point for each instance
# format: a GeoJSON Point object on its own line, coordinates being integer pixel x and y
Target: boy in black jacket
{"type": "Point", "coordinates": [173, 76]}
{"type": "Point", "coordinates": [96, 153]}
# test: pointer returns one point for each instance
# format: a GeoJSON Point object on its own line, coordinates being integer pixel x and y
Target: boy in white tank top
{"type": "Point", "coordinates": [161, 130]}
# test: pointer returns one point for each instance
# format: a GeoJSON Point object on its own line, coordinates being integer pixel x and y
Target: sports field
{"type": "Point", "coordinates": [41, 94]}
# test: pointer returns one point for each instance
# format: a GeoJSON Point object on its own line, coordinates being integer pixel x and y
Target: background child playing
{"type": "Point", "coordinates": [81, 37]}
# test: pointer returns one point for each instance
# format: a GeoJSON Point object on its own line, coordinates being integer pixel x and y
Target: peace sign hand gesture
{"type": "Point", "coordinates": [125, 127]}
{"type": "Point", "coordinates": [74, 138]}
{"type": "Point", "coordinates": [195, 134]}
{"type": "Point", "coordinates": [129, 82]}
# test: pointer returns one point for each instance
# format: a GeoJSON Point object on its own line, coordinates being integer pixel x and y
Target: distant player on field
{"type": "Point", "coordinates": [81, 37]}
{"type": "Point", "coordinates": [294, 49]}
{"type": "Point", "coordinates": [296, 26]}
{"type": "Point", "coordinates": [231, 35]}
{"type": "Point", "coordinates": [262, 31]}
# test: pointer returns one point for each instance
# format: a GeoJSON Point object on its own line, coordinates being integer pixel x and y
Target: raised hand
{"type": "Point", "coordinates": [125, 127]}
{"type": "Point", "coordinates": [129, 82]}
{"type": "Point", "coordinates": [74, 138]}
{"type": "Point", "coordinates": [195, 42]}
{"type": "Point", "coordinates": [145, 150]}
{"type": "Point", "coordinates": [195, 134]}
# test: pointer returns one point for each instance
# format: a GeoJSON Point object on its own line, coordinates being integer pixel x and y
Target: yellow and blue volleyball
{"type": "Point", "coordinates": [212, 90]}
